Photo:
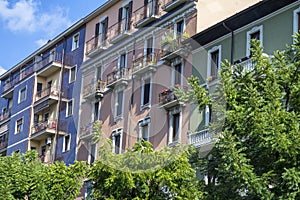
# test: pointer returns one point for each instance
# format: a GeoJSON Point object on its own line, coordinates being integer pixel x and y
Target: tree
{"type": "Point", "coordinates": [144, 173]}
{"type": "Point", "coordinates": [257, 155]}
{"type": "Point", "coordinates": [24, 177]}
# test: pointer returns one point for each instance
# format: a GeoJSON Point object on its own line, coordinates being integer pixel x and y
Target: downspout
{"type": "Point", "coordinates": [59, 101]}
{"type": "Point", "coordinates": [131, 98]}
{"type": "Point", "coordinates": [232, 42]}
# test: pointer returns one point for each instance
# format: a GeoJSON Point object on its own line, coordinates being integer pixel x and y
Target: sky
{"type": "Point", "coordinates": [25, 25]}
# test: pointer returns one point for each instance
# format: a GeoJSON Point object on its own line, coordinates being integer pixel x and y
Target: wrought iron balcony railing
{"type": "Point", "coordinates": [49, 125]}
{"type": "Point", "coordinates": [51, 91]}
{"type": "Point", "coordinates": [51, 58]}
{"type": "Point", "coordinates": [97, 42]}
{"type": "Point", "coordinates": [146, 13]}
{"type": "Point", "coordinates": [166, 96]}
{"type": "Point", "coordinates": [120, 28]}
{"type": "Point", "coordinates": [94, 88]}
{"type": "Point", "coordinates": [144, 61]}
{"type": "Point", "coordinates": [117, 75]}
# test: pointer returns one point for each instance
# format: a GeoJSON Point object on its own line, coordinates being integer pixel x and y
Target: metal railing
{"type": "Point", "coordinates": [98, 86]}
{"type": "Point", "coordinates": [117, 75]}
{"type": "Point", "coordinates": [48, 125]}
{"type": "Point", "coordinates": [17, 77]}
{"type": "Point", "coordinates": [166, 3]}
{"type": "Point", "coordinates": [51, 91]}
{"type": "Point", "coordinates": [166, 96]}
{"type": "Point", "coordinates": [145, 61]}
{"type": "Point", "coordinates": [95, 42]}
{"type": "Point", "coordinates": [119, 28]}
{"type": "Point", "coordinates": [146, 11]}
{"type": "Point", "coordinates": [5, 115]}
{"type": "Point", "coordinates": [53, 57]}
{"type": "Point", "coordinates": [169, 45]}
{"type": "Point", "coordinates": [200, 137]}
{"type": "Point", "coordinates": [86, 130]}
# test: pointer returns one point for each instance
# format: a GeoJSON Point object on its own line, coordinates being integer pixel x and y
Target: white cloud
{"type": "Point", "coordinates": [25, 15]}
{"type": "Point", "coordinates": [2, 70]}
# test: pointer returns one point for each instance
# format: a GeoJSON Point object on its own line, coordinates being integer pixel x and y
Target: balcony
{"type": "Point", "coordinates": [94, 90]}
{"type": "Point", "coordinates": [42, 130]}
{"type": "Point", "coordinates": [200, 138]}
{"type": "Point", "coordinates": [246, 63]}
{"type": "Point", "coordinates": [120, 30]}
{"type": "Point", "coordinates": [118, 77]}
{"type": "Point", "coordinates": [145, 64]}
{"type": "Point", "coordinates": [51, 94]}
{"type": "Point", "coordinates": [5, 115]}
{"type": "Point", "coordinates": [8, 84]}
{"type": "Point", "coordinates": [167, 99]}
{"type": "Point", "coordinates": [86, 132]}
{"type": "Point", "coordinates": [172, 48]}
{"type": "Point", "coordinates": [169, 5]}
{"type": "Point", "coordinates": [52, 63]}
{"type": "Point", "coordinates": [146, 14]}
{"type": "Point", "coordinates": [96, 45]}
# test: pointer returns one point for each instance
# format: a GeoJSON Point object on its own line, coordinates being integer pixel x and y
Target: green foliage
{"type": "Point", "coordinates": [23, 176]}
{"type": "Point", "coordinates": [143, 173]}
{"type": "Point", "coordinates": [257, 155]}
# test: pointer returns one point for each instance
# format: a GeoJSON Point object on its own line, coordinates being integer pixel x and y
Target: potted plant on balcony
{"type": "Point", "coordinates": [168, 43]}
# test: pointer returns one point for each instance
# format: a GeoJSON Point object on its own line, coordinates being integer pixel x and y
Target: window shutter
{"type": "Point", "coordinates": [105, 28]}
{"type": "Point", "coordinates": [120, 14]}
{"type": "Point", "coordinates": [97, 29]}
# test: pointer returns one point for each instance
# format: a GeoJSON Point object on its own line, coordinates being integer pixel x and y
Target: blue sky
{"type": "Point", "coordinates": [25, 25]}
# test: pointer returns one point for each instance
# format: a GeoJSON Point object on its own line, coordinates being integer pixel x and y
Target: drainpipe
{"type": "Point", "coordinates": [232, 42]}
{"type": "Point", "coordinates": [131, 98]}
{"type": "Point", "coordinates": [55, 145]}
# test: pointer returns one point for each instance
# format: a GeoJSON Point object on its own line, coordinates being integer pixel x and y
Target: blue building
{"type": "Point", "coordinates": [40, 99]}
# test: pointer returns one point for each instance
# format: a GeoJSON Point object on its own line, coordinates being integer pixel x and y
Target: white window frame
{"type": "Point", "coordinates": [16, 125]}
{"type": "Point", "coordinates": [211, 51]}
{"type": "Point", "coordinates": [66, 149]}
{"type": "Point", "coordinates": [144, 122]}
{"type": "Point", "coordinates": [75, 45]}
{"type": "Point", "coordinates": [116, 132]}
{"type": "Point", "coordinates": [175, 26]}
{"type": "Point", "coordinates": [146, 76]}
{"type": "Point", "coordinates": [67, 110]}
{"type": "Point", "coordinates": [295, 20]}
{"type": "Point", "coordinates": [117, 90]}
{"type": "Point", "coordinates": [249, 33]}
{"type": "Point", "coordinates": [19, 99]}
{"type": "Point", "coordinates": [207, 114]}
{"type": "Point", "coordinates": [171, 113]}
{"type": "Point", "coordinates": [173, 64]}
{"type": "Point", "coordinates": [70, 74]}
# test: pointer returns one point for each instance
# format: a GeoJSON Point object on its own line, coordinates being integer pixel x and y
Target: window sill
{"type": "Point", "coordinates": [144, 107]}
{"type": "Point", "coordinates": [117, 118]}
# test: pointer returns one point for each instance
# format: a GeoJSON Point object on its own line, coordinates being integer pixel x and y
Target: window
{"type": "Point", "coordinates": [66, 143]}
{"type": "Point", "coordinates": [177, 73]}
{"type": "Point", "coordinates": [144, 126]}
{"type": "Point", "coordinates": [146, 92]}
{"type": "Point", "coordinates": [22, 94]}
{"type": "Point", "coordinates": [19, 126]}
{"type": "Point", "coordinates": [254, 33]}
{"type": "Point", "coordinates": [122, 65]}
{"type": "Point", "coordinates": [124, 18]}
{"type": "Point", "coordinates": [92, 153]}
{"type": "Point", "coordinates": [75, 42]}
{"type": "Point", "coordinates": [179, 29]}
{"type": "Point", "coordinates": [214, 62]}
{"type": "Point", "coordinates": [149, 46]}
{"type": "Point", "coordinates": [174, 125]}
{"type": "Point", "coordinates": [119, 95]}
{"type": "Point", "coordinates": [296, 21]}
{"type": "Point", "coordinates": [72, 74]}
{"type": "Point", "coordinates": [96, 111]}
{"type": "Point", "coordinates": [69, 108]}
{"type": "Point", "coordinates": [101, 31]}
{"type": "Point", "coordinates": [117, 141]}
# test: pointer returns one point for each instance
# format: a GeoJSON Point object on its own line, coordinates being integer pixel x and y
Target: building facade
{"type": "Point", "coordinates": [39, 99]}
{"type": "Point", "coordinates": [271, 22]}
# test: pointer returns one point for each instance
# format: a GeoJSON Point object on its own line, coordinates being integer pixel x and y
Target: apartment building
{"type": "Point", "coordinates": [271, 22]}
{"type": "Point", "coordinates": [40, 99]}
